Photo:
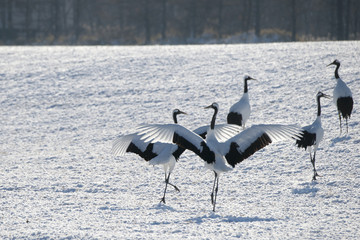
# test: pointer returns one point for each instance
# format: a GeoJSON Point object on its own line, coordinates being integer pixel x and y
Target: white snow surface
{"type": "Point", "coordinates": [62, 107]}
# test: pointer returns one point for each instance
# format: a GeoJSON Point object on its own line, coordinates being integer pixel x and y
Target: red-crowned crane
{"type": "Point", "coordinates": [155, 153]}
{"type": "Point", "coordinates": [220, 156]}
{"type": "Point", "coordinates": [342, 96]}
{"type": "Point", "coordinates": [313, 134]}
{"type": "Point", "coordinates": [240, 112]}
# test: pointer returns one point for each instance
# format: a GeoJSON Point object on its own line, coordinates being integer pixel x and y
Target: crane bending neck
{"type": "Point", "coordinates": [175, 117]}
{"type": "Point", "coordinates": [212, 126]}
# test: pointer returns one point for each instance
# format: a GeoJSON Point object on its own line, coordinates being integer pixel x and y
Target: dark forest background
{"type": "Point", "coordinates": [176, 21]}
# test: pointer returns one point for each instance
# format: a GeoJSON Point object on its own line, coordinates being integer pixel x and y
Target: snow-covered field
{"type": "Point", "coordinates": [61, 108]}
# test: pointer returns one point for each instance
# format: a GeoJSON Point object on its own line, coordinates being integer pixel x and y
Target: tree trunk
{"type": "Point", "coordinates": [121, 15]}
{"type": "Point", "coordinates": [56, 14]}
{"type": "Point", "coordinates": [146, 22]}
{"type": "Point", "coordinates": [219, 27]}
{"type": "Point", "coordinates": [77, 5]}
{"type": "Point", "coordinates": [27, 20]}
{"type": "Point", "coordinates": [257, 18]}
{"type": "Point", "coordinates": [3, 14]}
{"type": "Point", "coordinates": [332, 17]}
{"type": "Point", "coordinates": [9, 14]}
{"type": "Point", "coordinates": [340, 22]}
{"type": "Point", "coordinates": [293, 20]}
{"type": "Point", "coordinates": [193, 12]}
{"type": "Point", "coordinates": [64, 18]}
{"type": "Point", "coordinates": [163, 21]}
{"type": "Point", "coordinates": [248, 16]}
{"type": "Point", "coordinates": [347, 19]}
{"type": "Point", "coordinates": [356, 19]}
{"type": "Point", "coordinates": [10, 30]}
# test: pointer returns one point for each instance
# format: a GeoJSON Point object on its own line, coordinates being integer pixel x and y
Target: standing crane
{"type": "Point", "coordinates": [342, 96]}
{"type": "Point", "coordinates": [240, 112]}
{"type": "Point", "coordinates": [313, 134]}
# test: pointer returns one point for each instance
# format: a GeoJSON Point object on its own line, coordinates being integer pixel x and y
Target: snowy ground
{"type": "Point", "coordinates": [61, 108]}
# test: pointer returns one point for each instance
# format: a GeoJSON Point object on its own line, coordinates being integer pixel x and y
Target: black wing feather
{"type": "Point", "coordinates": [148, 154]}
{"type": "Point", "coordinates": [234, 118]}
{"type": "Point", "coordinates": [307, 140]}
{"type": "Point", "coordinates": [205, 153]}
{"type": "Point", "coordinates": [178, 152]}
{"type": "Point", "coordinates": [235, 156]}
{"type": "Point", "coordinates": [345, 106]}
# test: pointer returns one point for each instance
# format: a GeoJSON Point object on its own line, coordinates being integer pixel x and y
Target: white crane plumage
{"type": "Point", "coordinates": [342, 96]}
{"type": "Point", "coordinates": [155, 153]}
{"type": "Point", "coordinates": [313, 134]}
{"type": "Point", "coordinates": [220, 156]}
{"type": "Point", "coordinates": [240, 112]}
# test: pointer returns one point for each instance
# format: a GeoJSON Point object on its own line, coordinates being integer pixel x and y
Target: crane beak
{"type": "Point", "coordinates": [247, 78]}
{"type": "Point", "coordinates": [210, 106]}
{"type": "Point", "coordinates": [327, 96]}
{"type": "Point", "coordinates": [181, 112]}
{"type": "Point", "coordinates": [330, 64]}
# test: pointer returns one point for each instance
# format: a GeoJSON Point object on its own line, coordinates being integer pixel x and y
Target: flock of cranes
{"type": "Point", "coordinates": [222, 146]}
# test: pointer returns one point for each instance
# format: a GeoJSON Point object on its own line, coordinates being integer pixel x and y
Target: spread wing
{"type": "Point", "coordinates": [174, 133]}
{"type": "Point", "coordinates": [251, 140]}
{"type": "Point", "coordinates": [222, 131]}
{"type": "Point", "coordinates": [133, 143]}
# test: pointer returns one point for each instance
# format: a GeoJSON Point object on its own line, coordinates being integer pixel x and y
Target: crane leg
{"type": "Point", "coordinates": [176, 188]}
{"type": "Point", "coordinates": [215, 190]}
{"type": "Point", "coordinates": [340, 123]}
{"type": "Point", "coordinates": [313, 163]}
{"type": "Point", "coordinates": [166, 184]}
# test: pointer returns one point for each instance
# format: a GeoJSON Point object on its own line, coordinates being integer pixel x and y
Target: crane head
{"type": "Point", "coordinates": [320, 94]}
{"type": "Point", "coordinates": [335, 62]}
{"type": "Point", "coordinates": [177, 111]}
{"type": "Point", "coordinates": [213, 106]}
{"type": "Point", "coordinates": [247, 77]}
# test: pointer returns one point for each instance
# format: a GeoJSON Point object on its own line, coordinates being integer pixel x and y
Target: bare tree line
{"type": "Point", "coordinates": [175, 21]}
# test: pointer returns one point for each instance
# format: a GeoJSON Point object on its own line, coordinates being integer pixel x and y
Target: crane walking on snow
{"type": "Point", "coordinates": [313, 134]}
{"type": "Point", "coordinates": [220, 156]}
{"type": "Point", "coordinates": [240, 112]}
{"type": "Point", "coordinates": [342, 96]}
{"type": "Point", "coordinates": [155, 153]}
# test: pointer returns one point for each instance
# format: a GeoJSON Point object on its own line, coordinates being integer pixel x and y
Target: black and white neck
{"type": "Point", "coordinates": [246, 78]}
{"type": "Point", "coordinates": [212, 125]}
{"type": "Point", "coordinates": [245, 86]}
{"type": "Point", "coordinates": [175, 117]}
{"type": "Point", "coordinates": [337, 70]}
{"type": "Point", "coordinates": [319, 106]}
{"type": "Point", "coordinates": [318, 96]}
{"type": "Point", "coordinates": [337, 63]}
{"type": "Point", "coordinates": [214, 106]}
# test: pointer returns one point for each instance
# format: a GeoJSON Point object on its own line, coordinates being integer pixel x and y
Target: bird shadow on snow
{"type": "Point", "coordinates": [345, 137]}
{"type": "Point", "coordinates": [306, 188]}
{"type": "Point", "coordinates": [247, 219]}
{"type": "Point", "coordinates": [339, 139]}
{"type": "Point", "coordinates": [163, 207]}
{"type": "Point", "coordinates": [229, 219]}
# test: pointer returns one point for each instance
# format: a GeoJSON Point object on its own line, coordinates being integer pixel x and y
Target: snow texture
{"type": "Point", "coordinates": [62, 108]}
